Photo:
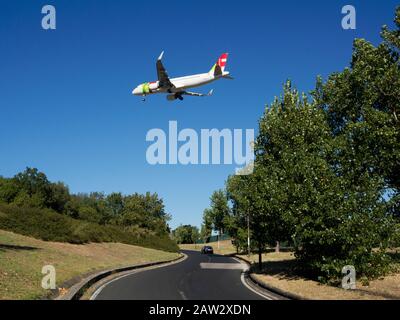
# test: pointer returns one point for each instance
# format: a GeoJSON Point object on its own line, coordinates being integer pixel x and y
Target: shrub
{"type": "Point", "coordinates": [48, 225]}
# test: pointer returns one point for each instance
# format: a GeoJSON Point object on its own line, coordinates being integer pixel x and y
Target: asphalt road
{"type": "Point", "coordinates": [199, 277]}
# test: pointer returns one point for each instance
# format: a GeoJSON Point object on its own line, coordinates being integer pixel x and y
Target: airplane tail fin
{"type": "Point", "coordinates": [219, 68]}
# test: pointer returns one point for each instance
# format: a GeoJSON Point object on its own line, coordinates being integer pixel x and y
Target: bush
{"type": "Point", "coordinates": [48, 225]}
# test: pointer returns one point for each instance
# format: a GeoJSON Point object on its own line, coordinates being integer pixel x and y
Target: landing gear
{"type": "Point", "coordinates": [178, 96]}
{"type": "Point", "coordinates": [144, 98]}
{"type": "Point", "coordinates": [175, 96]}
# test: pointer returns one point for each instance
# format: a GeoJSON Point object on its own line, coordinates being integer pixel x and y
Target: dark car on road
{"type": "Point", "coordinates": [207, 250]}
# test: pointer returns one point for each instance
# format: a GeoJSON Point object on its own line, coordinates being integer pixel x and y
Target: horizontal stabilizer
{"type": "Point", "coordinates": [195, 94]}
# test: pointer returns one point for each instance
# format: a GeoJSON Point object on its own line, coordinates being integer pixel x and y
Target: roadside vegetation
{"type": "Point", "coordinates": [225, 247]}
{"type": "Point", "coordinates": [22, 259]}
{"type": "Point", "coordinates": [186, 234]}
{"type": "Point", "coordinates": [326, 175]}
{"type": "Point", "coordinates": [280, 272]}
{"type": "Point", "coordinates": [50, 226]}
{"type": "Point", "coordinates": [33, 206]}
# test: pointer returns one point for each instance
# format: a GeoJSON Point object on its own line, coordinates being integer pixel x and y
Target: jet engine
{"type": "Point", "coordinates": [172, 97]}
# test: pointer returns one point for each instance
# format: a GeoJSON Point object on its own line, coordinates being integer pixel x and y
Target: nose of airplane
{"type": "Point", "coordinates": [137, 91]}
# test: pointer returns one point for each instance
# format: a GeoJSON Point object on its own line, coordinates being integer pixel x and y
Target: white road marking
{"type": "Point", "coordinates": [244, 282]}
{"type": "Point", "coordinates": [226, 266]}
{"type": "Point", "coordinates": [183, 295]}
{"type": "Point", "coordinates": [230, 266]}
{"type": "Point", "coordinates": [98, 291]}
{"type": "Point", "coordinates": [253, 290]}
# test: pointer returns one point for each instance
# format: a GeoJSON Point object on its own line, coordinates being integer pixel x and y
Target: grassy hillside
{"type": "Point", "coordinates": [48, 225]}
{"type": "Point", "coordinates": [22, 259]}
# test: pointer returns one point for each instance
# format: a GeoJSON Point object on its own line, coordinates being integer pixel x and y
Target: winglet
{"type": "Point", "coordinates": [211, 92]}
{"type": "Point", "coordinates": [161, 55]}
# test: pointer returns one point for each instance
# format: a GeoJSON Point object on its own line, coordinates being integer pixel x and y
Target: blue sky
{"type": "Point", "coordinates": [65, 95]}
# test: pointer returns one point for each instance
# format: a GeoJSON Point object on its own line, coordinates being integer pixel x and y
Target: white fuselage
{"type": "Point", "coordinates": [193, 81]}
{"type": "Point", "coordinates": [180, 84]}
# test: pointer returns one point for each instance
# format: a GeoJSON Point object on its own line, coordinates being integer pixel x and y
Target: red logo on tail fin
{"type": "Point", "coordinates": [222, 60]}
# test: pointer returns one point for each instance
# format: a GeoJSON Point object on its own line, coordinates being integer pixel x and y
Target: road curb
{"type": "Point", "coordinates": [76, 291]}
{"type": "Point", "coordinates": [266, 286]}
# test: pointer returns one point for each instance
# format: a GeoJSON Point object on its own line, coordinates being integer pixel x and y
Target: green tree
{"type": "Point", "coordinates": [254, 205]}
{"type": "Point", "coordinates": [327, 170]}
{"type": "Point", "coordinates": [115, 202]}
{"type": "Point", "coordinates": [219, 209]}
{"type": "Point", "coordinates": [205, 232]}
{"type": "Point", "coordinates": [362, 105]}
{"type": "Point", "coordinates": [236, 223]}
{"type": "Point", "coordinates": [72, 207]}
{"type": "Point", "coordinates": [206, 228]}
{"type": "Point", "coordinates": [33, 184]}
{"type": "Point", "coordinates": [8, 190]}
{"type": "Point", "coordinates": [236, 227]}
{"type": "Point", "coordinates": [334, 215]}
{"type": "Point", "coordinates": [186, 234]}
{"type": "Point", "coordinates": [146, 211]}
{"type": "Point", "coordinates": [59, 197]}
{"type": "Point", "coordinates": [90, 214]}
{"type": "Point", "coordinates": [143, 215]}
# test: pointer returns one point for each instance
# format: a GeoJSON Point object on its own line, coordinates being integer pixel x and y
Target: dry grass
{"type": "Point", "coordinates": [22, 259]}
{"type": "Point", "coordinates": [277, 272]}
{"type": "Point", "coordinates": [388, 287]}
{"type": "Point", "coordinates": [225, 247]}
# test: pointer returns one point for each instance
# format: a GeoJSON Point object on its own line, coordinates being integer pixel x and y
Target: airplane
{"type": "Point", "coordinates": [176, 87]}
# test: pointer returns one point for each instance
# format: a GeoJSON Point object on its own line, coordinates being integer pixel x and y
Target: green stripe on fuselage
{"type": "Point", "coordinates": [146, 88]}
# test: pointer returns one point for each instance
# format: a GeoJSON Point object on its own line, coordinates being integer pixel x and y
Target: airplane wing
{"type": "Point", "coordinates": [188, 93]}
{"type": "Point", "coordinates": [163, 75]}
